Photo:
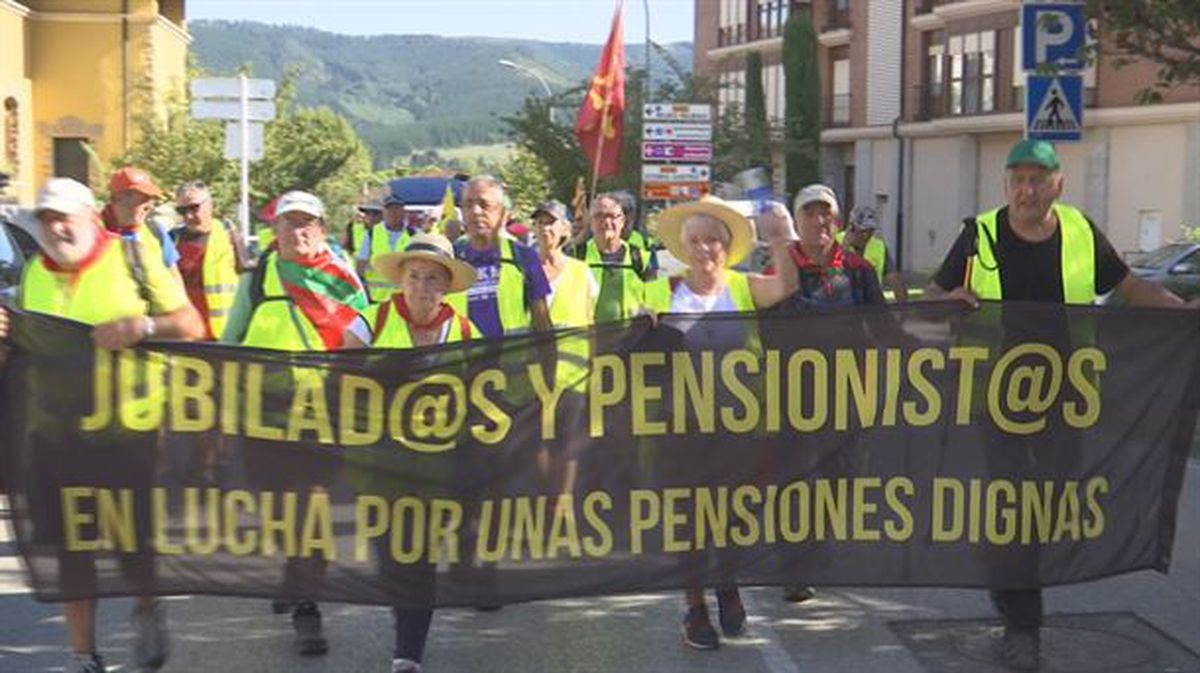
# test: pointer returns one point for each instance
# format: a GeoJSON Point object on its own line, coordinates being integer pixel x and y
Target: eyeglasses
{"type": "Point", "coordinates": [191, 208]}
{"type": "Point", "coordinates": [487, 206]}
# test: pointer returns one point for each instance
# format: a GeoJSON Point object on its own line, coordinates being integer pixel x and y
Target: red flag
{"type": "Point", "coordinates": [602, 115]}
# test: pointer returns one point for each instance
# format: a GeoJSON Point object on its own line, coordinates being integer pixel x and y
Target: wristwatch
{"type": "Point", "coordinates": [150, 328]}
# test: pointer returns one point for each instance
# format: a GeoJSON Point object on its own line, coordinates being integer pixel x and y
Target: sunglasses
{"type": "Point", "coordinates": [189, 209]}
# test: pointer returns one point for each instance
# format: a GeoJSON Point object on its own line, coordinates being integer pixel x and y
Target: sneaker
{"type": "Point", "coordinates": [698, 632]}
{"type": "Point", "coordinates": [150, 642]}
{"type": "Point", "coordinates": [405, 666]}
{"type": "Point", "coordinates": [797, 594]}
{"type": "Point", "coordinates": [1021, 649]}
{"type": "Point", "coordinates": [85, 663]}
{"type": "Point", "coordinates": [731, 613]}
{"type": "Point", "coordinates": [306, 620]}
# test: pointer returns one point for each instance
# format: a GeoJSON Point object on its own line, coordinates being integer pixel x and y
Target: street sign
{"type": "Point", "coordinates": [688, 152]}
{"type": "Point", "coordinates": [677, 112]}
{"type": "Point", "coordinates": [1052, 33]}
{"type": "Point", "coordinates": [670, 132]}
{"type": "Point", "coordinates": [231, 110]}
{"type": "Point", "coordinates": [233, 141]}
{"type": "Point", "coordinates": [686, 191]}
{"type": "Point", "coordinates": [231, 87]}
{"type": "Point", "coordinates": [1054, 107]}
{"type": "Point", "coordinates": [675, 173]}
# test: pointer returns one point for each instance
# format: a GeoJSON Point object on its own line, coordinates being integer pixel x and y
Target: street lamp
{"type": "Point", "coordinates": [532, 73]}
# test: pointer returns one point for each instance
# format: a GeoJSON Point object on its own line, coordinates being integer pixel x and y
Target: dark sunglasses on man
{"type": "Point", "coordinates": [189, 209]}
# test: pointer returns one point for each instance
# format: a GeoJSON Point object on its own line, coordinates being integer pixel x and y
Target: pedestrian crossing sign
{"type": "Point", "coordinates": [1054, 107]}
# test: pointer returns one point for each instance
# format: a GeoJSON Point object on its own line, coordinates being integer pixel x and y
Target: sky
{"type": "Point", "coordinates": [548, 20]}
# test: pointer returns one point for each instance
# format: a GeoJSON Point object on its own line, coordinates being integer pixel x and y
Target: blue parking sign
{"type": "Point", "coordinates": [1052, 33]}
{"type": "Point", "coordinates": [1054, 107]}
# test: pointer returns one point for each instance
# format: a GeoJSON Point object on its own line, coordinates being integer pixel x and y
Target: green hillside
{"type": "Point", "coordinates": [406, 92]}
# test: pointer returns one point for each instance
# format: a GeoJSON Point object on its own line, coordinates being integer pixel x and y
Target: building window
{"type": "Point", "coordinates": [71, 159]}
{"type": "Point", "coordinates": [839, 103]}
{"type": "Point", "coordinates": [933, 99]}
{"type": "Point", "coordinates": [732, 23]}
{"type": "Point", "coordinates": [972, 73]}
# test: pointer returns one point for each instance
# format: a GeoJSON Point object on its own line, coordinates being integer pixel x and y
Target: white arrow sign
{"type": "Point", "coordinates": [231, 87]}
{"type": "Point", "coordinates": [256, 110]}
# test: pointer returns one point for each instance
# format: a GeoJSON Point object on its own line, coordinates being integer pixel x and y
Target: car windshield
{"type": "Point", "coordinates": [1157, 257]}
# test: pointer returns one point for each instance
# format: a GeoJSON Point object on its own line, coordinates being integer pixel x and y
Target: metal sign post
{"type": "Point", "coordinates": [239, 101]}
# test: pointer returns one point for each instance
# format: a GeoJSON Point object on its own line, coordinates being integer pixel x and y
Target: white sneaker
{"type": "Point", "coordinates": [150, 641]}
{"type": "Point", "coordinates": [405, 666]}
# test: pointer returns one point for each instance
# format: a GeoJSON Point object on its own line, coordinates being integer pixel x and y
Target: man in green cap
{"type": "Point", "coordinates": [1016, 253]}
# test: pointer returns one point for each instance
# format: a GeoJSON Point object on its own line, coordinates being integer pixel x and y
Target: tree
{"type": "Point", "coordinates": [757, 127]}
{"type": "Point", "coordinates": [802, 105]}
{"type": "Point", "coordinates": [1166, 32]}
{"type": "Point", "coordinates": [527, 181]}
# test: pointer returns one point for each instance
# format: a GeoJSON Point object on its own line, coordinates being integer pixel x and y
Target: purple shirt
{"type": "Point", "coordinates": [481, 297]}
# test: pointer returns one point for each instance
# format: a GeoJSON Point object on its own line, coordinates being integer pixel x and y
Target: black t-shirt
{"type": "Point", "coordinates": [1028, 271]}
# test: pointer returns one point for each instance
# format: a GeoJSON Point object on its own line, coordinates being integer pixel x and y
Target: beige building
{"type": "Point", "coordinates": [75, 76]}
{"type": "Point", "coordinates": [923, 99]}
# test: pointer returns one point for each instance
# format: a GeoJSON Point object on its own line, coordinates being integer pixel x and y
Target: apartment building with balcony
{"type": "Point", "coordinates": [923, 98]}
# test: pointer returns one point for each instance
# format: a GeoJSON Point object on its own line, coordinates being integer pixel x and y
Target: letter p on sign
{"type": "Point", "coordinates": [1052, 34]}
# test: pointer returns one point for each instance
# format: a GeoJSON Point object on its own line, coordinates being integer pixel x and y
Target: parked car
{"type": "Point", "coordinates": [1175, 265]}
{"type": "Point", "coordinates": [12, 262]}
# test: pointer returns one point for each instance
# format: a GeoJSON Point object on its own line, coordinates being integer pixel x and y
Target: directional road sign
{"type": "Point", "coordinates": [231, 110]}
{"type": "Point", "coordinates": [684, 191]}
{"type": "Point", "coordinates": [1054, 107]}
{"type": "Point", "coordinates": [686, 152]}
{"type": "Point", "coordinates": [677, 112]}
{"type": "Point", "coordinates": [231, 87]}
{"type": "Point", "coordinates": [671, 132]}
{"type": "Point", "coordinates": [1052, 33]}
{"type": "Point", "coordinates": [675, 173]}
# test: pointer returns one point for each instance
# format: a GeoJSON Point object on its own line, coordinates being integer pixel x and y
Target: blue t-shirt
{"type": "Point", "coordinates": [481, 297]}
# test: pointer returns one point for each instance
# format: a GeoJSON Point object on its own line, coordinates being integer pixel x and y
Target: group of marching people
{"type": "Point", "coordinates": [414, 288]}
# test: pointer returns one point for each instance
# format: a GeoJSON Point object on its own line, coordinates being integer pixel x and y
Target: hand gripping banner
{"type": "Point", "coordinates": [1020, 445]}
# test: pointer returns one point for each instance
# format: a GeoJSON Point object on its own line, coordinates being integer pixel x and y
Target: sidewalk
{"type": "Point", "coordinates": [842, 630]}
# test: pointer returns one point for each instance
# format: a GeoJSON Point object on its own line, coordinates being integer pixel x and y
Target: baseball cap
{"type": "Point", "coordinates": [133, 179]}
{"type": "Point", "coordinates": [817, 194]}
{"type": "Point", "coordinates": [863, 217]}
{"type": "Point", "coordinates": [64, 195]}
{"type": "Point", "coordinates": [553, 208]}
{"type": "Point", "coordinates": [393, 200]}
{"type": "Point", "coordinates": [1033, 153]}
{"type": "Point", "coordinates": [372, 204]}
{"type": "Point", "coordinates": [300, 202]}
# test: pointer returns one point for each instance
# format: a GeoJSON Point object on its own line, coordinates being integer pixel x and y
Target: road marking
{"type": "Point", "coordinates": [774, 656]}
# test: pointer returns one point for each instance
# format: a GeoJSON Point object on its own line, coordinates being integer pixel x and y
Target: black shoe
{"type": "Point", "coordinates": [1021, 648]}
{"type": "Point", "coordinates": [698, 632]}
{"type": "Point", "coordinates": [797, 594]}
{"type": "Point", "coordinates": [306, 620]}
{"type": "Point", "coordinates": [282, 607]}
{"type": "Point", "coordinates": [731, 613]}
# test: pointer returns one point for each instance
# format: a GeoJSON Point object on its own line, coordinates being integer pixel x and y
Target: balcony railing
{"type": "Point", "coordinates": [837, 15]}
{"type": "Point", "coordinates": [837, 110]}
{"type": "Point", "coordinates": [765, 22]}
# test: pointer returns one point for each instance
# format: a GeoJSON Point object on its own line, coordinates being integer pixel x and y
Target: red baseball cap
{"type": "Point", "coordinates": [135, 179]}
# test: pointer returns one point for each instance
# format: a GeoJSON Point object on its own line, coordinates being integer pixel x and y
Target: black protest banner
{"type": "Point", "coordinates": [1014, 446]}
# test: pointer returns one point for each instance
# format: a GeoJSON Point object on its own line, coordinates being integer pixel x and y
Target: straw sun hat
{"type": "Point", "coordinates": [431, 248]}
{"type": "Point", "coordinates": [741, 232]}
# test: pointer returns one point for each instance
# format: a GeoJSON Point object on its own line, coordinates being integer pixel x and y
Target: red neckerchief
{"type": "Point", "coordinates": [444, 313]}
{"type": "Point", "coordinates": [103, 240]}
{"type": "Point", "coordinates": [837, 261]}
